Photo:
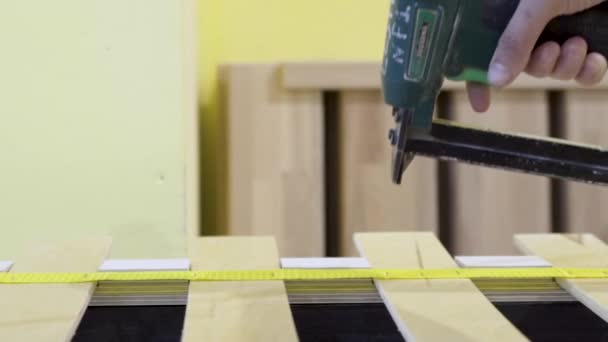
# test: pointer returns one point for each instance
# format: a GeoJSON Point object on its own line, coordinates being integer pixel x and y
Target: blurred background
{"type": "Point", "coordinates": [271, 32]}
{"type": "Point", "coordinates": [153, 120]}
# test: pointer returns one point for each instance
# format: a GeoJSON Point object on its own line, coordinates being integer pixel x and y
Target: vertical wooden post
{"type": "Point", "coordinates": [369, 200]}
{"type": "Point", "coordinates": [586, 121]}
{"type": "Point", "coordinates": [275, 180]}
{"type": "Point", "coordinates": [491, 205]}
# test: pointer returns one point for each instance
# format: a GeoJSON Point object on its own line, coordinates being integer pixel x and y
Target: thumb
{"type": "Point", "coordinates": [517, 42]}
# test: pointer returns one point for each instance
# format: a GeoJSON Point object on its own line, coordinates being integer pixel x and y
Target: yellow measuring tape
{"type": "Point", "coordinates": [308, 274]}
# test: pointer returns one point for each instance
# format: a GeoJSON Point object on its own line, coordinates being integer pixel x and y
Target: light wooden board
{"type": "Point", "coordinates": [369, 199]}
{"type": "Point", "coordinates": [367, 76]}
{"type": "Point", "coordinates": [49, 312]}
{"type": "Point", "coordinates": [432, 310]}
{"type": "Point", "coordinates": [98, 114]}
{"type": "Point", "coordinates": [586, 120]}
{"type": "Point", "coordinates": [275, 160]}
{"type": "Point", "coordinates": [584, 251]}
{"type": "Point", "coordinates": [490, 205]}
{"type": "Point", "coordinates": [237, 311]}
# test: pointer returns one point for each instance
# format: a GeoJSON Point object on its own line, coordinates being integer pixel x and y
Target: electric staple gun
{"type": "Point", "coordinates": [430, 40]}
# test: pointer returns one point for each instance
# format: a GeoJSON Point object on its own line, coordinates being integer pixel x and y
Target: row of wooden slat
{"type": "Point", "coordinates": [285, 122]}
{"type": "Point", "coordinates": [423, 310]}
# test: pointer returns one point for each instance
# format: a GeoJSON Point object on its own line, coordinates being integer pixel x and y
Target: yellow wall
{"type": "Point", "coordinates": [267, 31]}
{"type": "Point", "coordinates": [94, 105]}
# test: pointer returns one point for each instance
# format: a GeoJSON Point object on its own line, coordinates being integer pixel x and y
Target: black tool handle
{"type": "Point", "coordinates": [591, 24]}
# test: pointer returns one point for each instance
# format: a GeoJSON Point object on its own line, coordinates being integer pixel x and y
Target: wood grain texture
{"type": "Point", "coordinates": [275, 160]}
{"type": "Point", "coordinates": [367, 76]}
{"type": "Point", "coordinates": [369, 199]}
{"type": "Point", "coordinates": [96, 112]}
{"type": "Point", "coordinates": [49, 312]}
{"type": "Point", "coordinates": [491, 205]}
{"type": "Point", "coordinates": [432, 310]}
{"type": "Point", "coordinates": [586, 120]}
{"type": "Point", "coordinates": [237, 311]}
{"type": "Point", "coordinates": [585, 251]}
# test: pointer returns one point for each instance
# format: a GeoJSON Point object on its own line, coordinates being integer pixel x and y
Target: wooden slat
{"type": "Point", "coordinates": [366, 75]}
{"type": "Point", "coordinates": [586, 120]}
{"type": "Point", "coordinates": [490, 205]}
{"type": "Point", "coordinates": [432, 310]}
{"type": "Point", "coordinates": [369, 199]}
{"type": "Point", "coordinates": [49, 312]}
{"type": "Point", "coordinates": [275, 153]}
{"type": "Point", "coordinates": [584, 251]}
{"type": "Point", "coordinates": [237, 311]}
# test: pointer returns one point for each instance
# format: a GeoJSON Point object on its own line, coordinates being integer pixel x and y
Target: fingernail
{"type": "Point", "coordinates": [498, 75]}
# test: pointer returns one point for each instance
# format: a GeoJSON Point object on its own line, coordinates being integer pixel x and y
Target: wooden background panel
{"type": "Point", "coordinates": [586, 120]}
{"type": "Point", "coordinates": [342, 75]}
{"type": "Point", "coordinates": [369, 199]}
{"type": "Point", "coordinates": [491, 205]}
{"type": "Point", "coordinates": [275, 148]}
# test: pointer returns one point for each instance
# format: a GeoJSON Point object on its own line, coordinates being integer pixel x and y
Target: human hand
{"type": "Point", "coordinates": [516, 53]}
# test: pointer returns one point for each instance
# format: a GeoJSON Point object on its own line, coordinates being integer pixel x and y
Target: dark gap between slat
{"type": "Point", "coordinates": [445, 180]}
{"type": "Point", "coordinates": [131, 323]}
{"type": "Point", "coordinates": [558, 191]}
{"type": "Point", "coordinates": [345, 323]}
{"type": "Point", "coordinates": [333, 171]}
{"type": "Point", "coordinates": [554, 322]}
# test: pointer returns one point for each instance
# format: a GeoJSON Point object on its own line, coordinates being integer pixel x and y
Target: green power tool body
{"type": "Point", "coordinates": [430, 40]}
